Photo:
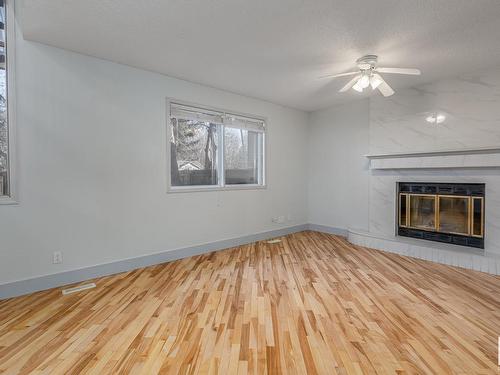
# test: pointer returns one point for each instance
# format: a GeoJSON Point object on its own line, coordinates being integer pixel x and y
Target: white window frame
{"type": "Point", "coordinates": [10, 32]}
{"type": "Point", "coordinates": [221, 186]}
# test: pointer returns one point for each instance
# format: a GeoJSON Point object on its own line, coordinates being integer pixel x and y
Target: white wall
{"type": "Point", "coordinates": [338, 171]}
{"type": "Point", "coordinates": [92, 167]}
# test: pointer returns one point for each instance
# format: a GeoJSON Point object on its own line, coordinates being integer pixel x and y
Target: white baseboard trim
{"type": "Point", "coordinates": [21, 287]}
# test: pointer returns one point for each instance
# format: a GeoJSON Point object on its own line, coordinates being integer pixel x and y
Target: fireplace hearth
{"type": "Point", "coordinates": [443, 212]}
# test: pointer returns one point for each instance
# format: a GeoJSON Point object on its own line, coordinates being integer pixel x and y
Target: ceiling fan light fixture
{"type": "Point", "coordinates": [364, 81]}
{"type": "Point", "coordinates": [368, 74]}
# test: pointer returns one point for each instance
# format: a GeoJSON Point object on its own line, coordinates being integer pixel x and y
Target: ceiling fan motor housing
{"type": "Point", "coordinates": [367, 62]}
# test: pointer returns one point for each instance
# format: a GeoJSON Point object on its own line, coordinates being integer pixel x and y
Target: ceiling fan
{"type": "Point", "coordinates": [368, 75]}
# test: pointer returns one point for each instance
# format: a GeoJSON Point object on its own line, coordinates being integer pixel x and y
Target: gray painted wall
{"type": "Point", "coordinates": [92, 170]}
{"type": "Point", "coordinates": [337, 170]}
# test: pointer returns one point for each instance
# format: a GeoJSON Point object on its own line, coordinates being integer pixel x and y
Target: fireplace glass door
{"type": "Point", "coordinates": [443, 212]}
{"type": "Point", "coordinates": [423, 212]}
{"type": "Point", "coordinates": [454, 216]}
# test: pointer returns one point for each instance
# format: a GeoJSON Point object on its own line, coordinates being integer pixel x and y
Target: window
{"type": "Point", "coordinates": [194, 153]}
{"type": "Point", "coordinates": [214, 149]}
{"type": "Point", "coordinates": [6, 135]}
{"type": "Point", "coordinates": [242, 156]}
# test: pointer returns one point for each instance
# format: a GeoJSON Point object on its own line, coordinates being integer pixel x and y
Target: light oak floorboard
{"type": "Point", "coordinates": [312, 304]}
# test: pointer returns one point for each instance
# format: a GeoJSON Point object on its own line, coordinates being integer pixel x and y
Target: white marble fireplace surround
{"type": "Point", "coordinates": [465, 148]}
{"type": "Point", "coordinates": [382, 218]}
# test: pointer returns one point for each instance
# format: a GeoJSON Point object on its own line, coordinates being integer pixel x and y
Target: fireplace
{"type": "Point", "coordinates": [443, 212]}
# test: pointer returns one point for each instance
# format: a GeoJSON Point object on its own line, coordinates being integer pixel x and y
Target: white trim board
{"type": "Point", "coordinates": [463, 151]}
{"type": "Point", "coordinates": [467, 158]}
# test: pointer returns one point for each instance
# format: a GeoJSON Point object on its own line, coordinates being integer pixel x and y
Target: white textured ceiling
{"type": "Point", "coordinates": [274, 49]}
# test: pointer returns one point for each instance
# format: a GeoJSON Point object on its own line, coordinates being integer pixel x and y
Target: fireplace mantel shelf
{"type": "Point", "coordinates": [463, 158]}
{"type": "Point", "coordinates": [463, 151]}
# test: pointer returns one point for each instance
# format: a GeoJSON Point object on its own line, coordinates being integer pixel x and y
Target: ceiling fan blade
{"type": "Point", "coordinates": [375, 80]}
{"type": "Point", "coordinates": [339, 75]}
{"type": "Point", "coordinates": [349, 84]}
{"type": "Point", "coordinates": [410, 71]}
{"type": "Point", "coordinates": [385, 89]}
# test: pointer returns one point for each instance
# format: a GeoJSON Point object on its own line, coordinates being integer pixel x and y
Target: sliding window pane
{"type": "Point", "coordinates": [242, 156]}
{"type": "Point", "coordinates": [193, 148]}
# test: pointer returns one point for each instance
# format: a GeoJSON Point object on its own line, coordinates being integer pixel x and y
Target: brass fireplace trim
{"type": "Point", "coordinates": [470, 213]}
{"type": "Point", "coordinates": [438, 226]}
{"type": "Point", "coordinates": [407, 218]}
{"type": "Point", "coordinates": [481, 235]}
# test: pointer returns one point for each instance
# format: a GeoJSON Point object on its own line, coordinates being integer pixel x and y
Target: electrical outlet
{"type": "Point", "coordinates": [278, 219]}
{"type": "Point", "coordinates": [57, 257]}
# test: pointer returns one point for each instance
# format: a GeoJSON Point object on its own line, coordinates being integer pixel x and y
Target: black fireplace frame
{"type": "Point", "coordinates": [443, 189]}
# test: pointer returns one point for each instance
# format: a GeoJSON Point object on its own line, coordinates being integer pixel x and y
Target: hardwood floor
{"type": "Point", "coordinates": [311, 304]}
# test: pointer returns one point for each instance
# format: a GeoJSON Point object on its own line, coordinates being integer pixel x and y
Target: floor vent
{"type": "Point", "coordinates": [274, 241]}
{"type": "Point", "coordinates": [78, 289]}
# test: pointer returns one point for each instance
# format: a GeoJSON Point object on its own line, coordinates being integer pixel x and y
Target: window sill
{"type": "Point", "coordinates": [196, 189]}
{"type": "Point", "coordinates": [5, 200]}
